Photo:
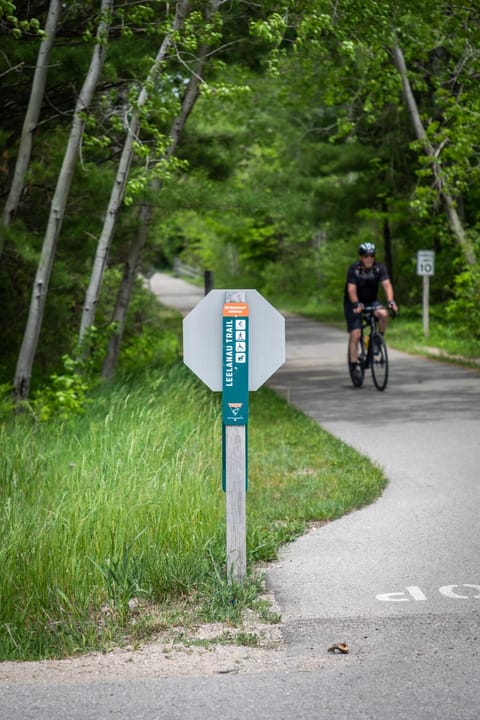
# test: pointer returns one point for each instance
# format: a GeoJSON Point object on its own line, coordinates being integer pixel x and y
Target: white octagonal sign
{"type": "Point", "coordinates": [202, 339]}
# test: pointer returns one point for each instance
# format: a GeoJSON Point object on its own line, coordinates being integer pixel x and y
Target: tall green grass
{"type": "Point", "coordinates": [124, 505]}
{"type": "Point", "coordinates": [407, 333]}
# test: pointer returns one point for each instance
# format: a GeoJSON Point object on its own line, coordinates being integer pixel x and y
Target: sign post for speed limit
{"type": "Point", "coordinates": [426, 268]}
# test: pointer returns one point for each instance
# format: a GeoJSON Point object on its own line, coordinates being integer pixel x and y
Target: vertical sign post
{"type": "Point", "coordinates": [235, 419]}
{"type": "Point", "coordinates": [234, 340]}
{"type": "Point", "coordinates": [426, 268]}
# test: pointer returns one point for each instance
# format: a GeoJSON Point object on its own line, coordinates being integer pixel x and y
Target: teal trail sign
{"type": "Point", "coordinates": [235, 364]}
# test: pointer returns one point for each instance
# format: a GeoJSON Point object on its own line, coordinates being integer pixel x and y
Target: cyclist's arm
{"type": "Point", "coordinates": [388, 287]}
{"type": "Point", "coordinates": [353, 297]}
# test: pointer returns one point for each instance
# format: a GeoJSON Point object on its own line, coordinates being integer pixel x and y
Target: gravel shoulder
{"type": "Point", "coordinates": [210, 649]}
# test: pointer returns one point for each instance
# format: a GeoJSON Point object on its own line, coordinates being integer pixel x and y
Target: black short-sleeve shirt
{"type": "Point", "coordinates": [367, 281]}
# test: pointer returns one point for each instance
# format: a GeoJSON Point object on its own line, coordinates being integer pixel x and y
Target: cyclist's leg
{"type": "Point", "coordinates": [353, 345]}
{"type": "Point", "coordinates": [354, 327]}
{"type": "Point", "coordinates": [382, 316]}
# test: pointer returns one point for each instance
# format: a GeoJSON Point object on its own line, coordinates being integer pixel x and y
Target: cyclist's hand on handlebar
{"type": "Point", "coordinates": [393, 308]}
{"type": "Point", "coordinates": [358, 307]}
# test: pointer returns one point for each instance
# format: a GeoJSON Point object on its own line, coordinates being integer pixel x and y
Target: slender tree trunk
{"type": "Point", "coordinates": [31, 116]}
{"type": "Point", "coordinates": [118, 190]}
{"type": "Point", "coordinates": [387, 241]}
{"type": "Point", "coordinates": [145, 216]}
{"type": "Point", "coordinates": [57, 210]}
{"type": "Point", "coordinates": [125, 292]}
{"type": "Point", "coordinates": [449, 202]}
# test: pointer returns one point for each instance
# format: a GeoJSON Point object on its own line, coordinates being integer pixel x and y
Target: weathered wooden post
{"type": "Point", "coordinates": [207, 281]}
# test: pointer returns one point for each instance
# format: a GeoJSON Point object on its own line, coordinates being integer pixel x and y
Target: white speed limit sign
{"type": "Point", "coordinates": [425, 262]}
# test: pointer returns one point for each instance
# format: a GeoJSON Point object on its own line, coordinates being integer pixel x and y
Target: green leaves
{"type": "Point", "coordinates": [275, 173]}
{"type": "Point", "coordinates": [18, 27]}
{"type": "Point", "coordinates": [463, 309]}
{"type": "Point", "coordinates": [271, 30]}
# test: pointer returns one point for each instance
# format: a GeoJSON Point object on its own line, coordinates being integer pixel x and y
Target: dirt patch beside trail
{"type": "Point", "coordinates": [207, 650]}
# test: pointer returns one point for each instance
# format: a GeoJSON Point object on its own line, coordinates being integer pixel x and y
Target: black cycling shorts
{"type": "Point", "coordinates": [354, 320]}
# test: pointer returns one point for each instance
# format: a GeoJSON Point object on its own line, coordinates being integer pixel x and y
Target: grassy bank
{"type": "Point", "coordinates": [121, 509]}
{"type": "Point", "coordinates": [406, 332]}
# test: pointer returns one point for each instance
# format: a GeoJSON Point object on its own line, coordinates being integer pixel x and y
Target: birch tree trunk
{"type": "Point", "coordinates": [131, 266]}
{"type": "Point", "coordinates": [31, 116]}
{"type": "Point", "coordinates": [28, 349]}
{"type": "Point", "coordinates": [118, 190]}
{"type": "Point", "coordinates": [449, 202]}
{"type": "Point", "coordinates": [145, 216]}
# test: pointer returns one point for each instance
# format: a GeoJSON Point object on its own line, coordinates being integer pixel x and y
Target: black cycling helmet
{"type": "Point", "coordinates": [367, 248]}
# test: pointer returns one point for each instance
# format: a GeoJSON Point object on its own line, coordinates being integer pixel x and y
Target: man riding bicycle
{"type": "Point", "coordinates": [361, 289]}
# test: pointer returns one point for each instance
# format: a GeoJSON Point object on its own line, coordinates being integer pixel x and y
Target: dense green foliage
{"type": "Point", "coordinates": [125, 504]}
{"type": "Point", "coordinates": [300, 146]}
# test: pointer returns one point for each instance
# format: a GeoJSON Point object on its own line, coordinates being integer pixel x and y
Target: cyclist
{"type": "Point", "coordinates": [361, 289]}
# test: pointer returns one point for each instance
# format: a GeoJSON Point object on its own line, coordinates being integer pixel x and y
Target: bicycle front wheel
{"type": "Point", "coordinates": [379, 362]}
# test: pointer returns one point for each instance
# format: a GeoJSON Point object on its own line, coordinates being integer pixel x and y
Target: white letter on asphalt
{"type": "Point", "coordinates": [447, 590]}
{"type": "Point", "coordinates": [416, 593]}
{"type": "Point", "coordinates": [413, 590]}
{"type": "Point", "coordinates": [392, 597]}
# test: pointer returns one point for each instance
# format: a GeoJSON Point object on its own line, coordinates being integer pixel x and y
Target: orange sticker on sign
{"type": "Point", "coordinates": [235, 309]}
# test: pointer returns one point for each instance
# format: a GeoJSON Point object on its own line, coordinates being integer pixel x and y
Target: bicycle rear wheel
{"type": "Point", "coordinates": [357, 369]}
{"type": "Point", "coordinates": [379, 362]}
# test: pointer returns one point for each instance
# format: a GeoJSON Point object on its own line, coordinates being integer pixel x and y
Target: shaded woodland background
{"type": "Point", "coordinates": [261, 141]}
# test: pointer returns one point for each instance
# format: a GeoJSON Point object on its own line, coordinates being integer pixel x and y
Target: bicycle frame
{"type": "Point", "coordinates": [372, 352]}
{"type": "Point", "coordinates": [368, 321]}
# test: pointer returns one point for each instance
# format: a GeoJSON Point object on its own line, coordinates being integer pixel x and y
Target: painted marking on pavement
{"type": "Point", "coordinates": [447, 590]}
{"type": "Point", "coordinates": [413, 592]}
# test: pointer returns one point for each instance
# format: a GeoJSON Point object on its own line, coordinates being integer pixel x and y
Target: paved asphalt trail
{"type": "Point", "coordinates": [399, 581]}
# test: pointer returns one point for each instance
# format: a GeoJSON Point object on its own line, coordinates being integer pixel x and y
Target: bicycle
{"type": "Point", "coordinates": [372, 352]}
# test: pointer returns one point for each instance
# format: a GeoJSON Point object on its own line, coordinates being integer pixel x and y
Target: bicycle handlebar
{"type": "Point", "coordinates": [369, 309]}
